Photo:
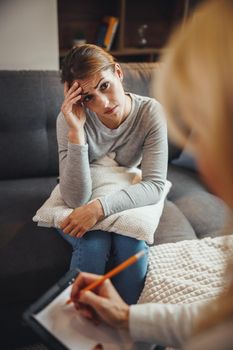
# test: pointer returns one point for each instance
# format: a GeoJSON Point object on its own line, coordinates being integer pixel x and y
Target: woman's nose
{"type": "Point", "coordinates": [103, 100]}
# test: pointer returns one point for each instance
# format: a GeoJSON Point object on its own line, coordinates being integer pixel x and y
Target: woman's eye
{"type": "Point", "coordinates": [87, 98]}
{"type": "Point", "coordinates": [104, 86]}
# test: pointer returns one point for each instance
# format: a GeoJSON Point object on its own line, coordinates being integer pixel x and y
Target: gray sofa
{"type": "Point", "coordinates": [33, 258]}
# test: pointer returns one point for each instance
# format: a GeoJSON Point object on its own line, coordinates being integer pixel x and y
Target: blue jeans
{"type": "Point", "coordinates": [100, 251]}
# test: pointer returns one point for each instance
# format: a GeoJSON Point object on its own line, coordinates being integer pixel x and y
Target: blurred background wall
{"type": "Point", "coordinates": [28, 34]}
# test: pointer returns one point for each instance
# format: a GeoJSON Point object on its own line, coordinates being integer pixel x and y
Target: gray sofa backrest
{"type": "Point", "coordinates": [138, 77]}
{"type": "Point", "coordinates": [29, 104]}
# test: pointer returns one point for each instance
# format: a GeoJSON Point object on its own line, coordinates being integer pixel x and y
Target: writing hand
{"type": "Point", "coordinates": [83, 219]}
{"type": "Point", "coordinates": [104, 303]}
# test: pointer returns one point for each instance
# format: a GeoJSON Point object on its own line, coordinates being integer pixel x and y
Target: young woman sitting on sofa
{"type": "Point", "coordinates": [196, 85]}
{"type": "Point", "coordinates": [99, 118]}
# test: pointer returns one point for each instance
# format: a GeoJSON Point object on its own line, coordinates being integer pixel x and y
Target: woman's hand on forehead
{"type": "Point", "coordinates": [74, 112]}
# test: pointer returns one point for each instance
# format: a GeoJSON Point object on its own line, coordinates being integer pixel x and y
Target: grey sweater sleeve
{"type": "Point", "coordinates": [74, 169]}
{"type": "Point", "coordinates": [154, 166]}
{"type": "Point", "coordinates": [163, 324]}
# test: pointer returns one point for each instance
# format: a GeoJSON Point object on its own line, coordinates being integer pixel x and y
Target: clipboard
{"type": "Point", "coordinates": [41, 303]}
{"type": "Point", "coordinates": [73, 331]}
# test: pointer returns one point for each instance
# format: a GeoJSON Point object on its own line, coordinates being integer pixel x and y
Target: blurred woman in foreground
{"type": "Point", "coordinates": [197, 91]}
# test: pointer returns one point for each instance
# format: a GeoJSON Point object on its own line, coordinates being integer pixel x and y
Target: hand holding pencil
{"type": "Point", "coordinates": [105, 303]}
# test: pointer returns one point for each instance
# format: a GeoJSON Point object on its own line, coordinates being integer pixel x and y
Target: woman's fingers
{"type": "Point", "coordinates": [77, 232]}
{"type": "Point", "coordinates": [64, 223]}
{"type": "Point", "coordinates": [74, 230]}
{"type": "Point", "coordinates": [68, 91]}
{"type": "Point", "coordinates": [70, 100]}
{"type": "Point", "coordinates": [87, 312]}
{"type": "Point", "coordinates": [81, 233]}
{"type": "Point", "coordinates": [83, 279]}
{"type": "Point", "coordinates": [80, 220]}
{"type": "Point", "coordinates": [69, 228]}
{"type": "Point", "coordinates": [75, 99]}
{"type": "Point", "coordinates": [65, 88]}
{"type": "Point", "coordinates": [73, 111]}
{"type": "Point", "coordinates": [73, 94]}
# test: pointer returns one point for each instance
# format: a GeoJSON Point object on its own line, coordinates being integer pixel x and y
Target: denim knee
{"type": "Point", "coordinates": [90, 252]}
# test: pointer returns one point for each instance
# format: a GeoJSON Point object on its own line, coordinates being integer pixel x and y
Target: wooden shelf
{"type": "Point", "coordinates": [161, 16]}
{"type": "Point", "coordinates": [150, 53]}
{"type": "Point", "coordinates": [128, 51]}
{"type": "Point", "coordinates": [142, 54]}
{"type": "Point", "coordinates": [132, 51]}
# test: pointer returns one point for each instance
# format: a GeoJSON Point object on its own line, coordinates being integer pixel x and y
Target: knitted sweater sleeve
{"type": "Point", "coordinates": [163, 324]}
{"type": "Point", "coordinates": [74, 168]}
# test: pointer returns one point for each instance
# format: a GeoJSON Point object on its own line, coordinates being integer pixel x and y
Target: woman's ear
{"type": "Point", "coordinates": [118, 71]}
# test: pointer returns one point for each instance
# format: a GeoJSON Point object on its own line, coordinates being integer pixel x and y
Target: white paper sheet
{"type": "Point", "coordinates": [64, 322]}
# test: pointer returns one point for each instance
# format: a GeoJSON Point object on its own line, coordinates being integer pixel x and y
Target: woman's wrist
{"type": "Point", "coordinates": [125, 318]}
{"type": "Point", "coordinates": [98, 209]}
{"type": "Point", "coordinates": [77, 137]}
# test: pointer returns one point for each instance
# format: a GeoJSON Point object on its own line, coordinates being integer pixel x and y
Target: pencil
{"type": "Point", "coordinates": [113, 272]}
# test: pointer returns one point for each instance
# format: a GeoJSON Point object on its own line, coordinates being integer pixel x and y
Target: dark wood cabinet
{"type": "Point", "coordinates": [83, 17]}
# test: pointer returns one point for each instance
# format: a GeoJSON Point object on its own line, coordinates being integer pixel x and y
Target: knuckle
{"type": "Point", "coordinates": [101, 307]}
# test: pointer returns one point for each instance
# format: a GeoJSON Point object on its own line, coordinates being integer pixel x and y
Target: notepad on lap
{"type": "Point", "coordinates": [74, 331]}
{"type": "Point", "coordinates": [62, 328]}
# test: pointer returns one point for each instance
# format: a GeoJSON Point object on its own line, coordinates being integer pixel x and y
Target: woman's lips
{"type": "Point", "coordinates": [110, 111]}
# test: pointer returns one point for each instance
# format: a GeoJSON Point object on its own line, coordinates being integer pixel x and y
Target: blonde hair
{"type": "Point", "coordinates": [196, 88]}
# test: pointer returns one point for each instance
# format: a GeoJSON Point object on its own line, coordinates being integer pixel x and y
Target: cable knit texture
{"type": "Point", "coordinates": [108, 177]}
{"type": "Point", "coordinates": [187, 271]}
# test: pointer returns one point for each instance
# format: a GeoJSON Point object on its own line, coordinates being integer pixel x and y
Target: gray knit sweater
{"type": "Point", "coordinates": [140, 140]}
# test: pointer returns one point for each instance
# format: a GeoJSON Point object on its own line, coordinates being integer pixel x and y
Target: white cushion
{"type": "Point", "coordinates": [108, 176]}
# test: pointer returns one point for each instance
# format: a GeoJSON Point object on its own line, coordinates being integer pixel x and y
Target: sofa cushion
{"type": "Point", "coordinates": [206, 213]}
{"type": "Point", "coordinates": [138, 77]}
{"type": "Point", "coordinates": [186, 160]}
{"type": "Point", "coordinates": [30, 104]}
{"type": "Point", "coordinates": [185, 182]}
{"type": "Point", "coordinates": [21, 197]}
{"type": "Point", "coordinates": [173, 226]}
